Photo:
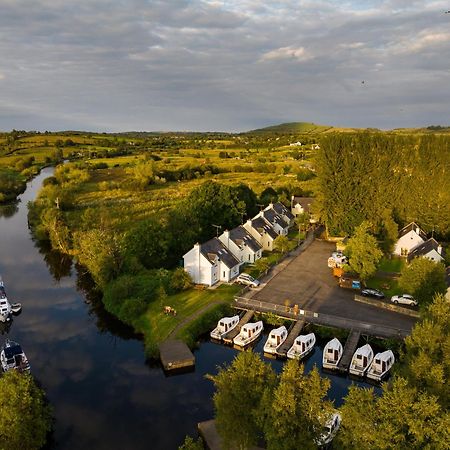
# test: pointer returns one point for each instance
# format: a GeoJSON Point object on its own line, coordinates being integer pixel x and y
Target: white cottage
{"type": "Point", "coordinates": [262, 231]}
{"type": "Point", "coordinates": [210, 262]}
{"type": "Point", "coordinates": [244, 247]}
{"type": "Point", "coordinates": [300, 205]}
{"type": "Point", "coordinates": [409, 237]}
{"type": "Point", "coordinates": [430, 249]}
{"type": "Point", "coordinates": [278, 223]}
{"type": "Point", "coordinates": [283, 212]}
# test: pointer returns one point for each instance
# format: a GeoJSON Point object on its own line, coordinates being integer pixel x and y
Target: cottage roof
{"type": "Point", "coordinates": [215, 249]}
{"type": "Point", "coordinates": [282, 210]}
{"type": "Point", "coordinates": [240, 236]}
{"type": "Point", "coordinates": [424, 249]}
{"type": "Point", "coordinates": [271, 216]}
{"type": "Point", "coordinates": [260, 224]}
{"type": "Point", "coordinates": [413, 227]}
{"type": "Point", "coordinates": [304, 202]}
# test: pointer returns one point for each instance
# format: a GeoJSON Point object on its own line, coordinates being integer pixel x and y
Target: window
{"type": "Point", "coordinates": [224, 273]}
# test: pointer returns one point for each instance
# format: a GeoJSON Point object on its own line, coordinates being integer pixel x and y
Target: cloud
{"type": "Point", "coordinates": [222, 65]}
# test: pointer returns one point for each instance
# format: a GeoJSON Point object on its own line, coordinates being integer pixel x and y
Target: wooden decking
{"type": "Point", "coordinates": [228, 338]}
{"type": "Point", "coordinates": [349, 349]}
{"type": "Point", "coordinates": [293, 333]}
{"type": "Point", "coordinates": [175, 354]}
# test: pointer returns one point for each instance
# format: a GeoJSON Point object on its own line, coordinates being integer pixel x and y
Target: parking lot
{"type": "Point", "coordinates": [308, 282]}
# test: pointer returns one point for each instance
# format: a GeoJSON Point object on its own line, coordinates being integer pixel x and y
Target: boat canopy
{"type": "Point", "coordinates": [13, 350]}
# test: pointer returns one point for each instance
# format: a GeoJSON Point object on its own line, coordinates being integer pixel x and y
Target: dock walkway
{"type": "Point", "coordinates": [349, 350]}
{"type": "Point", "coordinates": [175, 354]}
{"type": "Point", "coordinates": [228, 337]}
{"type": "Point", "coordinates": [293, 333]}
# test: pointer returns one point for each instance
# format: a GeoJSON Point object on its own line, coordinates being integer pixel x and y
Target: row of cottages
{"type": "Point", "coordinates": [413, 242]}
{"type": "Point", "coordinates": [219, 259]}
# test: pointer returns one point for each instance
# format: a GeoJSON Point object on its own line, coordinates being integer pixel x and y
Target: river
{"type": "Point", "coordinates": [104, 393]}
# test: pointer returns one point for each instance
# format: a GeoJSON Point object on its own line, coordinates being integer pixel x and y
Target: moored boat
{"type": "Point", "coordinates": [381, 364]}
{"type": "Point", "coordinates": [275, 339]}
{"type": "Point", "coordinates": [16, 307]}
{"type": "Point", "coordinates": [224, 325]}
{"type": "Point", "coordinates": [361, 360]}
{"type": "Point", "coordinates": [12, 357]}
{"type": "Point", "coordinates": [5, 307]}
{"type": "Point", "coordinates": [303, 345]}
{"type": "Point", "coordinates": [332, 354]}
{"type": "Point", "coordinates": [330, 429]}
{"type": "Point", "coordinates": [249, 332]}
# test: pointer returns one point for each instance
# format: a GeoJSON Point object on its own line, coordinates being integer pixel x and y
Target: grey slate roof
{"type": "Point", "coordinates": [281, 209]}
{"type": "Point", "coordinates": [424, 248]}
{"type": "Point", "coordinates": [214, 248]}
{"type": "Point", "coordinates": [240, 236]}
{"type": "Point", "coordinates": [412, 227]}
{"type": "Point", "coordinates": [305, 202]}
{"type": "Point", "coordinates": [271, 216]}
{"type": "Point", "coordinates": [262, 225]}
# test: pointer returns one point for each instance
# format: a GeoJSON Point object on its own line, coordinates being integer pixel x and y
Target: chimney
{"type": "Point", "coordinates": [439, 249]}
{"type": "Point", "coordinates": [418, 230]}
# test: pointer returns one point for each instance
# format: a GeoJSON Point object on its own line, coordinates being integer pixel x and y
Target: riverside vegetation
{"type": "Point", "coordinates": [127, 207]}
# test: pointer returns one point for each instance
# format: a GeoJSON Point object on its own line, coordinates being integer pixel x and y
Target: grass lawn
{"type": "Point", "coordinates": [159, 325]}
{"type": "Point", "coordinates": [391, 264]}
{"type": "Point", "coordinates": [382, 283]}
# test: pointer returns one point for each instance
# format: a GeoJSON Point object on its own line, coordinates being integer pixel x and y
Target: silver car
{"type": "Point", "coordinates": [245, 278]}
{"type": "Point", "coordinates": [404, 299]}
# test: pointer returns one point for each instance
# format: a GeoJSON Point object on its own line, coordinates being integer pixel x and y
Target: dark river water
{"type": "Point", "coordinates": [104, 393]}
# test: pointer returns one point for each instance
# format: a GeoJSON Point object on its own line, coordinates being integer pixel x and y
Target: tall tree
{"type": "Point", "coordinates": [363, 252]}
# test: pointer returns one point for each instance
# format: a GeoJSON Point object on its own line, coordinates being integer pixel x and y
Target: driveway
{"type": "Point", "coordinates": [308, 282]}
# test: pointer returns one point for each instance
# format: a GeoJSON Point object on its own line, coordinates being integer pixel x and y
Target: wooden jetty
{"type": "Point", "coordinates": [293, 333]}
{"type": "Point", "coordinates": [349, 350]}
{"type": "Point", "coordinates": [228, 338]}
{"type": "Point", "coordinates": [175, 354]}
{"type": "Point", "coordinates": [213, 441]}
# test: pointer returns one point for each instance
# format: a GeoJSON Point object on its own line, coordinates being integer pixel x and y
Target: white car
{"type": "Point", "coordinates": [248, 280]}
{"type": "Point", "coordinates": [404, 299]}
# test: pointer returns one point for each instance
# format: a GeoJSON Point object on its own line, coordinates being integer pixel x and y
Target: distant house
{"type": "Point", "coordinates": [278, 223]}
{"type": "Point", "coordinates": [295, 144]}
{"type": "Point", "coordinates": [430, 249]}
{"type": "Point", "coordinates": [300, 205]}
{"type": "Point", "coordinates": [282, 211]}
{"type": "Point", "coordinates": [210, 262]}
{"type": "Point", "coordinates": [262, 231]}
{"type": "Point", "coordinates": [409, 237]}
{"type": "Point", "coordinates": [243, 246]}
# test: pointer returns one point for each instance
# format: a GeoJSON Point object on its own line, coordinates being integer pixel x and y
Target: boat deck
{"type": "Point", "coordinates": [293, 333]}
{"type": "Point", "coordinates": [228, 338]}
{"type": "Point", "coordinates": [349, 349]}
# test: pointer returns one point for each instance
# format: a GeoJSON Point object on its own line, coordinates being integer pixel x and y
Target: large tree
{"type": "Point", "coordinates": [240, 390]}
{"type": "Point", "coordinates": [25, 417]}
{"type": "Point", "coordinates": [363, 252]}
{"type": "Point", "coordinates": [423, 278]}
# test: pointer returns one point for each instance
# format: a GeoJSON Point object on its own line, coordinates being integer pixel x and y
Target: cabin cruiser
{"type": "Point", "coordinates": [302, 346]}
{"type": "Point", "coordinates": [361, 360]}
{"type": "Point", "coordinates": [275, 339]}
{"type": "Point", "coordinates": [5, 307]}
{"type": "Point", "coordinates": [224, 325]}
{"type": "Point", "coordinates": [381, 364]}
{"type": "Point", "coordinates": [249, 332]}
{"type": "Point", "coordinates": [12, 357]}
{"type": "Point", "coordinates": [329, 430]}
{"type": "Point", "coordinates": [332, 354]}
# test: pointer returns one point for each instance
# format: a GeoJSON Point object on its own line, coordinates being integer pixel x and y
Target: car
{"type": "Point", "coordinates": [248, 280]}
{"type": "Point", "coordinates": [404, 299]}
{"type": "Point", "coordinates": [374, 293]}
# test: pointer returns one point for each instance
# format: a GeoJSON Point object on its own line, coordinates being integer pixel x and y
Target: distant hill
{"type": "Point", "coordinates": [298, 127]}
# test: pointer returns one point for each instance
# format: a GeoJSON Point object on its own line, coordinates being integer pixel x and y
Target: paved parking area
{"type": "Point", "coordinates": [308, 282]}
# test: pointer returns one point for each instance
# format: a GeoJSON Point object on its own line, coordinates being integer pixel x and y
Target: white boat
{"type": "Point", "coordinates": [302, 346]}
{"type": "Point", "coordinates": [361, 360]}
{"type": "Point", "coordinates": [16, 307]}
{"type": "Point", "coordinates": [249, 332]}
{"type": "Point", "coordinates": [381, 364]}
{"type": "Point", "coordinates": [224, 325]}
{"type": "Point", "coordinates": [5, 307]}
{"type": "Point", "coordinates": [329, 430]}
{"type": "Point", "coordinates": [12, 357]}
{"type": "Point", "coordinates": [332, 354]}
{"type": "Point", "coordinates": [275, 339]}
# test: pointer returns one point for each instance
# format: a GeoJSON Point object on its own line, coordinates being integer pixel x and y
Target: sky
{"type": "Point", "coordinates": [230, 65]}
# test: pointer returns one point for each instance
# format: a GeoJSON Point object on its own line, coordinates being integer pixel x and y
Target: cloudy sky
{"type": "Point", "coordinates": [230, 65]}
